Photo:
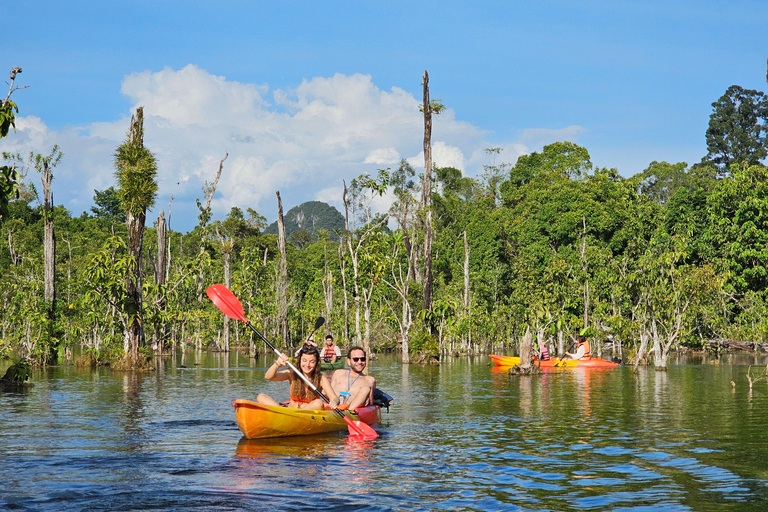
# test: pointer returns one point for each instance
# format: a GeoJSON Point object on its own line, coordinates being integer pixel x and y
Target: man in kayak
{"type": "Point", "coordinates": [582, 351]}
{"type": "Point", "coordinates": [354, 389]}
{"type": "Point", "coordinates": [331, 351]}
{"type": "Point", "coordinates": [302, 396]}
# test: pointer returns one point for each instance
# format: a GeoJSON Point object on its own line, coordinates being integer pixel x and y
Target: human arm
{"type": "Point", "coordinates": [329, 392]}
{"type": "Point", "coordinates": [274, 373]}
{"type": "Point", "coordinates": [579, 353]}
{"type": "Point", "coordinates": [361, 393]}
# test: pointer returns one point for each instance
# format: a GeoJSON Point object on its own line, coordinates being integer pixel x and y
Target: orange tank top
{"type": "Point", "coordinates": [301, 400]}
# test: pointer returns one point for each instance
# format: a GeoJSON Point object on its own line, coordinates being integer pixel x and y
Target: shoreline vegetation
{"type": "Point", "coordinates": [528, 252]}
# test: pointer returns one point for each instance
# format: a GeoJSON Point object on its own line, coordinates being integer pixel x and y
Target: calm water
{"type": "Point", "coordinates": [459, 437]}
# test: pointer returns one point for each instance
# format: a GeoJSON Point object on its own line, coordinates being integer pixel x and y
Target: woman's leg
{"type": "Point", "coordinates": [315, 405]}
{"type": "Point", "coordinates": [265, 399]}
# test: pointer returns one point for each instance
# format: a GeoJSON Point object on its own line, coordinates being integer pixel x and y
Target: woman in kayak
{"type": "Point", "coordinates": [302, 396]}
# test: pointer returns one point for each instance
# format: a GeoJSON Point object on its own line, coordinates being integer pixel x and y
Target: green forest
{"type": "Point", "coordinates": [675, 256]}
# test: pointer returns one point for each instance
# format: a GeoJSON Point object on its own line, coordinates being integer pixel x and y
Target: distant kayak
{"type": "Point", "coordinates": [556, 362]}
{"type": "Point", "coordinates": [258, 421]}
{"type": "Point", "coordinates": [332, 366]}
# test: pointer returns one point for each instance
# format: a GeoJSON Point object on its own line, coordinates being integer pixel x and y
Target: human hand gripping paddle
{"type": "Point", "coordinates": [226, 301]}
{"type": "Point", "coordinates": [561, 362]}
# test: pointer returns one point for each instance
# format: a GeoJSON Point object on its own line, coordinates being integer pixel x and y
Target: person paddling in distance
{"type": "Point", "coordinates": [582, 350]}
{"type": "Point", "coordinates": [354, 389]}
{"type": "Point", "coordinates": [302, 396]}
{"type": "Point", "coordinates": [331, 352]}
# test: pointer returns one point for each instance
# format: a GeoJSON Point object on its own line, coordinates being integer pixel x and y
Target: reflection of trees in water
{"type": "Point", "coordinates": [132, 413]}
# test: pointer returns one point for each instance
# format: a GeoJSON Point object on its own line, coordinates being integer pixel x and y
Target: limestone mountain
{"type": "Point", "coordinates": [312, 216]}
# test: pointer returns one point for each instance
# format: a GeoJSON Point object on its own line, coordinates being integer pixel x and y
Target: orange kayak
{"type": "Point", "coordinates": [557, 362]}
{"type": "Point", "coordinates": [258, 421]}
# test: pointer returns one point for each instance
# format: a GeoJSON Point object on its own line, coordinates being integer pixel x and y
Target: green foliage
{"type": "Point", "coordinates": [738, 128]}
{"type": "Point", "coordinates": [423, 342]}
{"type": "Point", "coordinates": [136, 170]}
{"type": "Point", "coordinates": [738, 227]}
{"type": "Point", "coordinates": [19, 371]}
{"type": "Point", "coordinates": [8, 111]}
{"type": "Point", "coordinates": [108, 205]}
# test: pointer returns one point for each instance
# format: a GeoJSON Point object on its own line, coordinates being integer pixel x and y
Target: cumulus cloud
{"type": "Point", "coordinates": [302, 141]}
{"type": "Point", "coordinates": [382, 156]}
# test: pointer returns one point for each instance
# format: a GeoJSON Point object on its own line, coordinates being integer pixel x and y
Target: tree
{"type": "Point", "coordinates": [426, 200]}
{"type": "Point", "coordinates": [108, 205]}
{"type": "Point", "coordinates": [661, 180]}
{"type": "Point", "coordinates": [738, 228]}
{"type": "Point", "coordinates": [136, 170]}
{"type": "Point", "coordinates": [738, 128]}
{"type": "Point", "coordinates": [44, 166]}
{"type": "Point", "coordinates": [8, 175]}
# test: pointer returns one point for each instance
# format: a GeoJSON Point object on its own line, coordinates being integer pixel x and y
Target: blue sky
{"type": "Point", "coordinates": [303, 95]}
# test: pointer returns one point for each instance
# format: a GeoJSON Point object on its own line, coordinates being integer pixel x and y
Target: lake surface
{"type": "Point", "coordinates": [460, 436]}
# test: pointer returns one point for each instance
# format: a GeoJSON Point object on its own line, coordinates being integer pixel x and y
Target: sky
{"type": "Point", "coordinates": [303, 96]}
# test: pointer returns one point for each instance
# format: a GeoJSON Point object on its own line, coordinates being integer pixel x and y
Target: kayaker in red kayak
{"type": "Point", "coordinates": [582, 351]}
{"type": "Point", "coordinates": [302, 396]}
{"type": "Point", "coordinates": [354, 389]}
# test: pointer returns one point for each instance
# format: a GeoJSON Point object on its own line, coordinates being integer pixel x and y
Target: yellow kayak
{"type": "Point", "coordinates": [258, 421]}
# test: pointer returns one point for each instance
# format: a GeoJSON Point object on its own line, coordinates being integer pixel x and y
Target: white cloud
{"type": "Point", "coordinates": [301, 141]}
{"type": "Point", "coordinates": [383, 156]}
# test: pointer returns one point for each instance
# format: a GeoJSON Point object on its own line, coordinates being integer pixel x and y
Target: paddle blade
{"type": "Point", "coordinates": [319, 322]}
{"type": "Point", "coordinates": [360, 429]}
{"type": "Point", "coordinates": [226, 301]}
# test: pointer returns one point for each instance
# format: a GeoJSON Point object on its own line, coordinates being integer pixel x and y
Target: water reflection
{"type": "Point", "coordinates": [460, 436]}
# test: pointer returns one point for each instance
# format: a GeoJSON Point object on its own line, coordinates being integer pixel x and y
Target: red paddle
{"type": "Point", "coordinates": [226, 301]}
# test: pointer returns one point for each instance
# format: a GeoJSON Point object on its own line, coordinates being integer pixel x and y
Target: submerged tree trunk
{"type": "Point", "coordinates": [227, 247]}
{"type": "Point", "coordinates": [133, 303]}
{"type": "Point", "coordinates": [160, 279]}
{"type": "Point", "coordinates": [136, 171]}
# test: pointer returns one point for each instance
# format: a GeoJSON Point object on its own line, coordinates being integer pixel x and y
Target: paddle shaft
{"type": "Point", "coordinates": [296, 370]}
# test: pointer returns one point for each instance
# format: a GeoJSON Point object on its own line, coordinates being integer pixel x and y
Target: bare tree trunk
{"type": "Point", "coordinates": [427, 197]}
{"type": "Point", "coordinates": [49, 250]}
{"type": "Point", "coordinates": [282, 283]}
{"type": "Point", "coordinates": [205, 216]}
{"type": "Point", "coordinates": [134, 332]}
{"type": "Point", "coordinates": [525, 348]}
{"type": "Point", "coordinates": [160, 279]}
{"type": "Point", "coordinates": [584, 270]}
{"type": "Point", "coordinates": [227, 249]}
{"type": "Point", "coordinates": [467, 313]}
{"type": "Point", "coordinates": [342, 262]}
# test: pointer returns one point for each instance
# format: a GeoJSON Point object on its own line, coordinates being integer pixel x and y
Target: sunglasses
{"type": "Point", "coordinates": [356, 359]}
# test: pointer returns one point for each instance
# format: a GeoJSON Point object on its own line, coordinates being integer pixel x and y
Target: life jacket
{"type": "Point", "coordinates": [586, 348]}
{"type": "Point", "coordinates": [328, 352]}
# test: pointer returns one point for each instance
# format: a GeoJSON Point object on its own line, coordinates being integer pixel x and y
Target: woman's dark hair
{"type": "Point", "coordinates": [299, 388]}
